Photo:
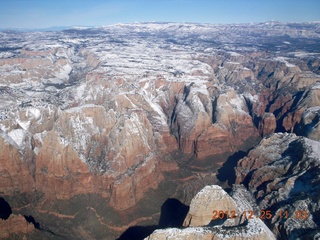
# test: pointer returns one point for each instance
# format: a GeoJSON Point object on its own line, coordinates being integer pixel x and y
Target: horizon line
{"type": "Point", "coordinates": [61, 28]}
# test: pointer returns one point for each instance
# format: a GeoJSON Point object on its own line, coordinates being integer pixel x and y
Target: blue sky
{"type": "Point", "coordinates": [48, 13]}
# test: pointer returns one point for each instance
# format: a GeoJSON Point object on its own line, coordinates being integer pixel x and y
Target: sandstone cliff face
{"type": "Point", "coordinates": [14, 173]}
{"type": "Point", "coordinates": [207, 200]}
{"type": "Point", "coordinates": [15, 225]}
{"type": "Point", "coordinates": [268, 124]}
{"type": "Point", "coordinates": [282, 173]}
{"type": "Point", "coordinates": [200, 225]}
{"type": "Point", "coordinates": [219, 126]}
{"type": "Point", "coordinates": [87, 153]}
{"type": "Point", "coordinates": [192, 115]}
{"type": "Point", "coordinates": [99, 119]}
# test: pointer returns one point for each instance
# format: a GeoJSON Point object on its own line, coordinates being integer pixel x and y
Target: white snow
{"type": "Point", "coordinates": [40, 136]}
{"type": "Point", "coordinates": [315, 145]}
{"type": "Point", "coordinates": [234, 54]}
{"type": "Point", "coordinates": [238, 103]}
{"type": "Point", "coordinates": [304, 54]}
{"type": "Point", "coordinates": [199, 89]}
{"type": "Point", "coordinates": [80, 108]}
{"type": "Point", "coordinates": [8, 139]}
{"type": "Point", "coordinates": [311, 110]}
{"type": "Point", "coordinates": [24, 124]}
{"type": "Point", "coordinates": [18, 135]}
{"type": "Point", "coordinates": [254, 98]}
{"type": "Point", "coordinates": [316, 86]}
{"type": "Point", "coordinates": [284, 60]}
{"type": "Point", "coordinates": [35, 112]}
{"type": "Point", "coordinates": [3, 128]}
{"type": "Point", "coordinates": [157, 109]}
{"type": "Point", "coordinates": [233, 63]}
{"type": "Point", "coordinates": [64, 72]}
{"type": "Point", "coordinates": [64, 142]}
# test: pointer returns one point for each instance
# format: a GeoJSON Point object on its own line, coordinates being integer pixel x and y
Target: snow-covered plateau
{"type": "Point", "coordinates": [101, 128]}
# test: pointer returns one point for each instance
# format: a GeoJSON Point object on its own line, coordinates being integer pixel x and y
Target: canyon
{"type": "Point", "coordinates": [99, 127]}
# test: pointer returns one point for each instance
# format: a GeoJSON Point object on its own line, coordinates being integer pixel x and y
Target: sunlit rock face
{"type": "Point", "coordinates": [203, 204]}
{"type": "Point", "coordinates": [110, 122]}
{"type": "Point", "coordinates": [207, 126]}
{"type": "Point", "coordinates": [202, 223]}
{"type": "Point", "coordinates": [282, 173]}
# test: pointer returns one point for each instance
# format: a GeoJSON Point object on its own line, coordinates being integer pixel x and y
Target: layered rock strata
{"type": "Point", "coordinates": [92, 120]}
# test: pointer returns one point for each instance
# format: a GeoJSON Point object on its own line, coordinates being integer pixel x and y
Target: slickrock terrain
{"type": "Point", "coordinates": [200, 225]}
{"type": "Point", "coordinates": [202, 205]}
{"type": "Point", "coordinates": [100, 126]}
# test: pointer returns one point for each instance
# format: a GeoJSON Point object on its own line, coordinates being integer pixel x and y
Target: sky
{"type": "Point", "coordinates": [50, 13]}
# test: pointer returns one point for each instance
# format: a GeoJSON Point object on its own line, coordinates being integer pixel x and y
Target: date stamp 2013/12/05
{"type": "Point", "coordinates": [264, 214]}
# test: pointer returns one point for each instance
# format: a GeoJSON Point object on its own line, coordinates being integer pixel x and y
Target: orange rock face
{"type": "Point", "coordinates": [15, 224]}
{"type": "Point", "coordinates": [268, 124]}
{"type": "Point", "coordinates": [223, 131]}
{"type": "Point", "coordinates": [14, 173]}
{"type": "Point", "coordinates": [64, 169]}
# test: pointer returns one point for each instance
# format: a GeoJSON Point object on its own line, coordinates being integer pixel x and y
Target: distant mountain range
{"type": "Point", "coordinates": [60, 28]}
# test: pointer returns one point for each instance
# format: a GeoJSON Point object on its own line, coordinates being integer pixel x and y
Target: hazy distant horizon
{"type": "Point", "coordinates": [36, 14]}
{"type": "Point", "coordinates": [60, 28]}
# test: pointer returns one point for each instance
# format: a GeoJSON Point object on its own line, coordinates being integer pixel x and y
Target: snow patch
{"type": "Point", "coordinates": [24, 125]}
{"type": "Point", "coordinates": [199, 89]}
{"type": "Point", "coordinates": [3, 128]}
{"type": "Point", "coordinates": [158, 110]}
{"type": "Point", "coordinates": [311, 110]}
{"type": "Point", "coordinates": [40, 136]}
{"type": "Point", "coordinates": [35, 112]}
{"type": "Point", "coordinates": [8, 139]}
{"type": "Point", "coordinates": [80, 108]}
{"type": "Point", "coordinates": [234, 54]}
{"type": "Point", "coordinates": [64, 72]}
{"type": "Point", "coordinates": [254, 98]}
{"type": "Point", "coordinates": [284, 60]}
{"type": "Point", "coordinates": [238, 103]}
{"type": "Point", "coordinates": [18, 135]}
{"type": "Point", "coordinates": [315, 146]}
{"type": "Point", "coordinates": [316, 86]}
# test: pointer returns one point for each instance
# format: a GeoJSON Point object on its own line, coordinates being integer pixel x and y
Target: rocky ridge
{"type": "Point", "coordinates": [282, 174]}
{"type": "Point", "coordinates": [199, 222]}
{"type": "Point", "coordinates": [108, 113]}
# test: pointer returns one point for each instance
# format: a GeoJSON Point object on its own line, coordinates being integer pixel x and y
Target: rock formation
{"type": "Point", "coordinates": [200, 225]}
{"type": "Point", "coordinates": [282, 173]}
{"type": "Point", "coordinates": [205, 202]}
{"type": "Point", "coordinates": [98, 127]}
{"type": "Point", "coordinates": [15, 225]}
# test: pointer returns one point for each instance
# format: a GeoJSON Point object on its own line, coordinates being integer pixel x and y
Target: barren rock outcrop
{"type": "Point", "coordinates": [282, 173]}
{"type": "Point", "coordinates": [217, 127]}
{"type": "Point", "coordinates": [200, 225]}
{"type": "Point", "coordinates": [310, 123]}
{"type": "Point", "coordinates": [15, 225]}
{"type": "Point", "coordinates": [268, 124]}
{"type": "Point", "coordinates": [14, 173]}
{"type": "Point", "coordinates": [207, 200]}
